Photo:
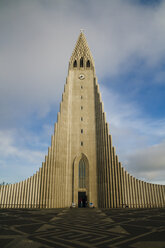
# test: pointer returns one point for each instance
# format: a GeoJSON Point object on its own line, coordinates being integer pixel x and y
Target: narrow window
{"type": "Point", "coordinates": [88, 63]}
{"type": "Point", "coordinates": [81, 143]}
{"type": "Point", "coordinates": [81, 130]}
{"type": "Point", "coordinates": [75, 63]}
{"type": "Point", "coordinates": [81, 87]}
{"type": "Point", "coordinates": [81, 62]}
{"type": "Point", "coordinates": [82, 174]}
{"type": "Point", "coordinates": [81, 107]}
{"type": "Point", "coordinates": [81, 97]}
{"type": "Point", "coordinates": [81, 118]}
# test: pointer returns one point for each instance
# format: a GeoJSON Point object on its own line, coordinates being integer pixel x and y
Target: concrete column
{"type": "Point", "coordinates": [114, 181]}
{"type": "Point", "coordinates": [45, 183]}
{"type": "Point", "coordinates": [122, 187]}
{"type": "Point", "coordinates": [2, 196]}
{"type": "Point", "coordinates": [155, 197]}
{"type": "Point", "coordinates": [161, 195]}
{"type": "Point", "coordinates": [149, 195]}
{"type": "Point", "coordinates": [56, 171]}
{"type": "Point", "coordinates": [54, 168]}
{"type": "Point", "coordinates": [134, 192]}
{"type": "Point", "coordinates": [101, 161]}
{"type": "Point", "coordinates": [10, 196]}
{"type": "Point", "coordinates": [137, 193]}
{"type": "Point", "coordinates": [50, 161]}
{"type": "Point", "coordinates": [144, 195]}
{"type": "Point", "coordinates": [1, 193]}
{"type": "Point", "coordinates": [28, 193]}
{"type": "Point", "coordinates": [16, 195]}
{"type": "Point", "coordinates": [108, 168]}
{"type": "Point", "coordinates": [141, 193]}
{"type": "Point", "coordinates": [111, 173]}
{"type": "Point", "coordinates": [38, 189]}
{"type": "Point", "coordinates": [24, 193]}
{"type": "Point", "coordinates": [152, 197]}
{"type": "Point", "coordinates": [5, 195]}
{"type": "Point", "coordinates": [42, 184]}
{"type": "Point", "coordinates": [33, 189]}
{"type": "Point", "coordinates": [158, 195]}
{"type": "Point", "coordinates": [116, 178]}
{"type": "Point", "coordinates": [20, 196]}
{"type": "Point", "coordinates": [118, 186]}
{"type": "Point", "coordinates": [51, 190]}
{"type": "Point", "coordinates": [131, 191]}
{"type": "Point", "coordinates": [49, 164]}
{"type": "Point", "coordinates": [127, 189]}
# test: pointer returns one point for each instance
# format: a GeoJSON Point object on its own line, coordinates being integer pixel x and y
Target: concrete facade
{"type": "Point", "coordinates": [81, 158]}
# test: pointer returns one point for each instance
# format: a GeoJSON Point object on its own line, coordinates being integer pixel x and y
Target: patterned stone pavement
{"type": "Point", "coordinates": [101, 228]}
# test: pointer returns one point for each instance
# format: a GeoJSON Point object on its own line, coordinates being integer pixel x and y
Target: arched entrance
{"type": "Point", "coordinates": [82, 197]}
{"type": "Point", "coordinates": [81, 181]}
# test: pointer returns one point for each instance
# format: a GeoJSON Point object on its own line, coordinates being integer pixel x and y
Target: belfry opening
{"type": "Point", "coordinates": [82, 167]}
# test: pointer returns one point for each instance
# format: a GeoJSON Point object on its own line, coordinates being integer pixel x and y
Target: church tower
{"type": "Point", "coordinates": [75, 167]}
{"type": "Point", "coordinates": [81, 163]}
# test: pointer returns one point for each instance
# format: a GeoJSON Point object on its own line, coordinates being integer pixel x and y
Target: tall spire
{"type": "Point", "coordinates": [81, 50]}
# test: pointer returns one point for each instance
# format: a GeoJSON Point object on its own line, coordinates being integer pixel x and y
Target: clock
{"type": "Point", "coordinates": [81, 76]}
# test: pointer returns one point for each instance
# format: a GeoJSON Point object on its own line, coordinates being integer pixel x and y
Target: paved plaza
{"type": "Point", "coordinates": [101, 228]}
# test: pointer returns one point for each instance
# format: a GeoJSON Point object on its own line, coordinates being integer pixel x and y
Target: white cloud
{"type": "Point", "coordinates": [18, 161]}
{"type": "Point", "coordinates": [37, 39]}
{"type": "Point", "coordinates": [139, 141]}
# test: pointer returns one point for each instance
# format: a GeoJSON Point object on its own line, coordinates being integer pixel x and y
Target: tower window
{"type": "Point", "coordinates": [81, 62]}
{"type": "Point", "coordinates": [81, 143]}
{"type": "Point", "coordinates": [81, 118]}
{"type": "Point", "coordinates": [88, 63]}
{"type": "Point", "coordinates": [75, 63]}
{"type": "Point", "coordinates": [81, 97]}
{"type": "Point", "coordinates": [81, 107]}
{"type": "Point", "coordinates": [81, 130]}
{"type": "Point", "coordinates": [81, 87]}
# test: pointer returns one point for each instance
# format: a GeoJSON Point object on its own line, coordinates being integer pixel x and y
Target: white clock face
{"type": "Point", "coordinates": [81, 76]}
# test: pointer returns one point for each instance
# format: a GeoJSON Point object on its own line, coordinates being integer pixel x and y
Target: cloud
{"type": "Point", "coordinates": [37, 39]}
{"type": "Point", "coordinates": [139, 140]}
{"type": "Point", "coordinates": [20, 155]}
{"type": "Point", "coordinates": [149, 163]}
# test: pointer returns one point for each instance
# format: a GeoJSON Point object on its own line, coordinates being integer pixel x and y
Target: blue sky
{"type": "Point", "coordinates": [127, 40]}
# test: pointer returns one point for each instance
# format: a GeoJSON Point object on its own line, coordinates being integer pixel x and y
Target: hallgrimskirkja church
{"type": "Point", "coordinates": [81, 162]}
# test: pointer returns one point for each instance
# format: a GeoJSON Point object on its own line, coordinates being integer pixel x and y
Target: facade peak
{"type": "Point", "coordinates": [81, 52]}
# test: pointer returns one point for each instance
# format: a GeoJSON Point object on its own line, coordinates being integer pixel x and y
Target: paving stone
{"type": "Point", "coordinates": [96, 228]}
